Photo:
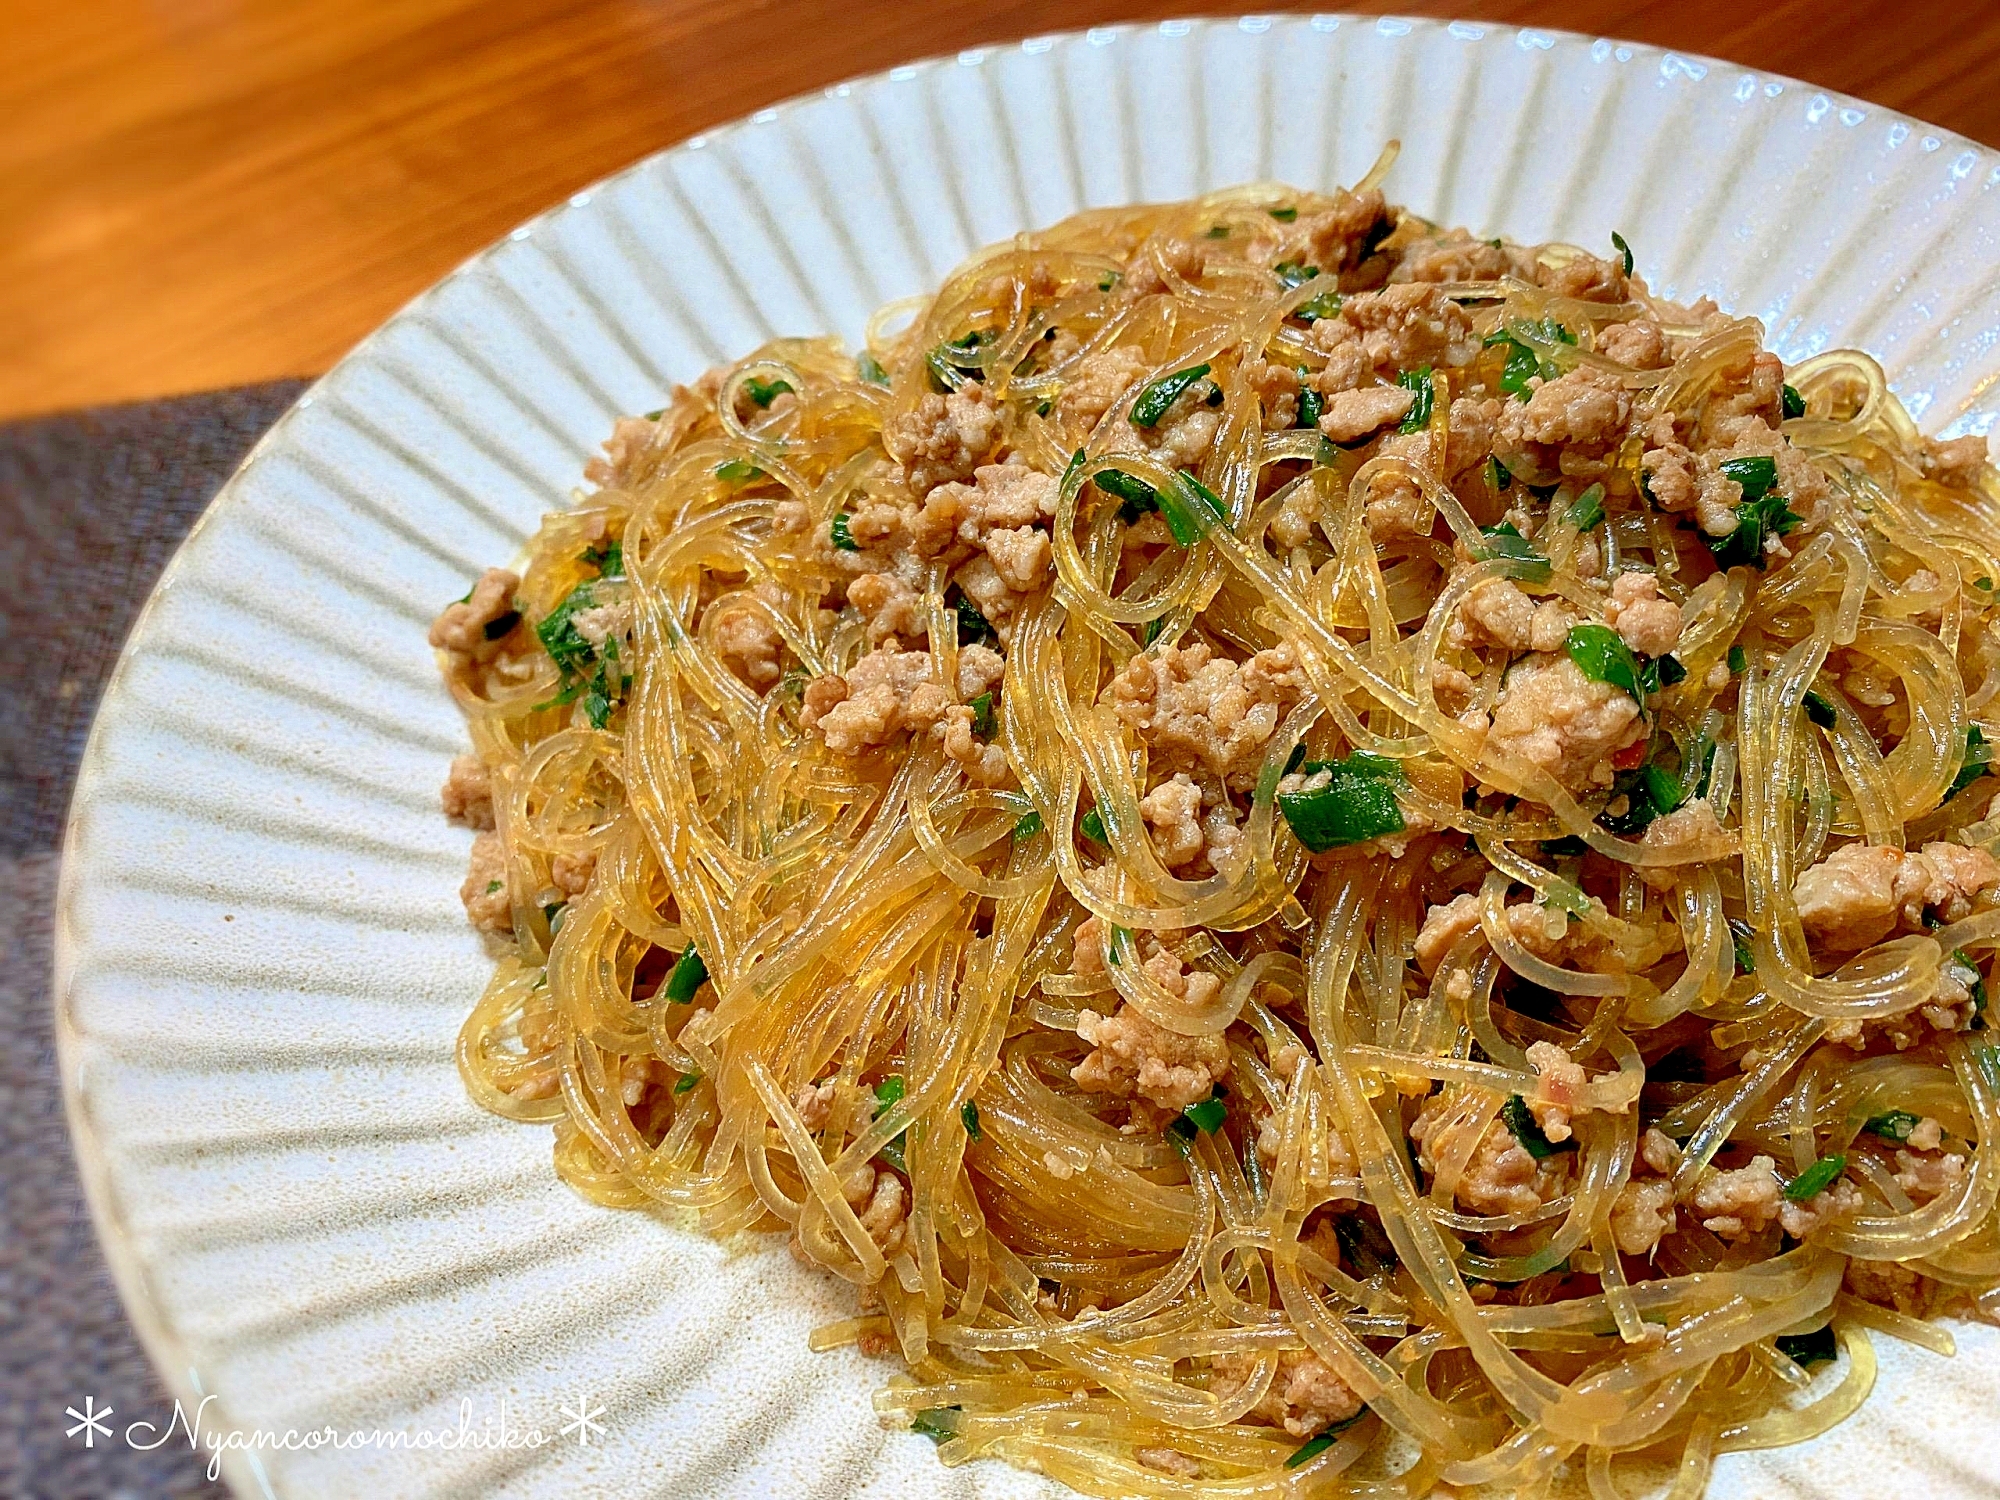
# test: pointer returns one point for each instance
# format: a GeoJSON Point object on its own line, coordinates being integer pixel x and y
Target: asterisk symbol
{"type": "Point", "coordinates": [583, 1420]}
{"type": "Point", "coordinates": [90, 1422]}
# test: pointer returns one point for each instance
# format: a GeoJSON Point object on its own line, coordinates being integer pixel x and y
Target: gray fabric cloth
{"type": "Point", "coordinates": [91, 506]}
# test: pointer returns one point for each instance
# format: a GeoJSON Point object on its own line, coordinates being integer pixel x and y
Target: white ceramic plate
{"type": "Point", "coordinates": [262, 963]}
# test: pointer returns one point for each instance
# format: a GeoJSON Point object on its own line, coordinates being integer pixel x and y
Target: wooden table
{"type": "Point", "coordinates": [196, 193]}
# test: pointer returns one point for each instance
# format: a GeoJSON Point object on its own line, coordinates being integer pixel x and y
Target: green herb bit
{"type": "Point", "coordinates": [1819, 710]}
{"type": "Point", "coordinates": [939, 1423]}
{"type": "Point", "coordinates": [685, 1084]}
{"type": "Point", "coordinates": [843, 539]}
{"type": "Point", "coordinates": [1895, 1126]}
{"type": "Point", "coordinates": [1501, 477]}
{"type": "Point", "coordinates": [1218, 232]}
{"type": "Point", "coordinates": [1754, 475]}
{"type": "Point", "coordinates": [1671, 671]}
{"type": "Point", "coordinates": [763, 392]}
{"type": "Point", "coordinates": [689, 974]}
{"type": "Point", "coordinates": [1092, 824]}
{"type": "Point", "coordinates": [982, 715]}
{"type": "Point", "coordinates": [1624, 250]}
{"type": "Point", "coordinates": [1180, 1135]}
{"type": "Point", "coordinates": [889, 1091]}
{"type": "Point", "coordinates": [1312, 405]}
{"type": "Point", "coordinates": [1746, 951]}
{"type": "Point", "coordinates": [1663, 790]}
{"type": "Point", "coordinates": [968, 1114]}
{"type": "Point", "coordinates": [1523, 363]}
{"type": "Point", "coordinates": [609, 560]}
{"type": "Point", "coordinates": [1283, 215]}
{"type": "Point", "coordinates": [1325, 305]}
{"type": "Point", "coordinates": [500, 625]}
{"type": "Point", "coordinates": [1027, 827]}
{"type": "Point", "coordinates": [1765, 516]}
{"type": "Point", "coordinates": [1739, 660]}
{"type": "Point", "coordinates": [1586, 512]}
{"type": "Point", "coordinates": [1207, 1115]}
{"type": "Point", "coordinates": [656, 413]}
{"type": "Point", "coordinates": [558, 633]}
{"type": "Point", "coordinates": [1505, 541]}
{"type": "Point", "coordinates": [1521, 1122]}
{"type": "Point", "coordinates": [1136, 497]}
{"type": "Point", "coordinates": [1984, 585]}
{"type": "Point", "coordinates": [1357, 803]}
{"type": "Point", "coordinates": [972, 625]}
{"type": "Point", "coordinates": [1419, 415]}
{"type": "Point", "coordinates": [1109, 280]}
{"type": "Point", "coordinates": [494, 885]}
{"type": "Point", "coordinates": [738, 471]}
{"type": "Point", "coordinates": [1309, 1450]}
{"type": "Point", "coordinates": [1192, 510]}
{"type": "Point", "coordinates": [1794, 404]}
{"type": "Point", "coordinates": [553, 915]}
{"type": "Point", "coordinates": [1816, 1178]}
{"type": "Point", "coordinates": [1602, 655]}
{"type": "Point", "coordinates": [1816, 1348]}
{"type": "Point", "coordinates": [1975, 763]}
{"type": "Point", "coordinates": [1152, 631]}
{"type": "Point", "coordinates": [1153, 401]}
{"type": "Point", "coordinates": [1292, 273]}
{"type": "Point", "coordinates": [869, 368]}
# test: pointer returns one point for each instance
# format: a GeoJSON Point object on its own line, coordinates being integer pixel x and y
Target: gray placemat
{"type": "Point", "coordinates": [91, 506]}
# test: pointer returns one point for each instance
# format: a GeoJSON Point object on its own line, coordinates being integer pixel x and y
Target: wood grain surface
{"type": "Point", "coordinates": [197, 193]}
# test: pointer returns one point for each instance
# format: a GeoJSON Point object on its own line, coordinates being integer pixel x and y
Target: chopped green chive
{"type": "Point", "coordinates": [1819, 710]}
{"type": "Point", "coordinates": [1975, 763]}
{"type": "Point", "coordinates": [1325, 305]}
{"type": "Point", "coordinates": [1603, 656]}
{"type": "Point", "coordinates": [1767, 515]}
{"type": "Point", "coordinates": [1191, 509]}
{"type": "Point", "coordinates": [656, 413]}
{"type": "Point", "coordinates": [843, 539]}
{"type": "Point", "coordinates": [972, 625]}
{"type": "Point", "coordinates": [938, 1424]}
{"type": "Point", "coordinates": [1419, 415]}
{"type": "Point", "coordinates": [1755, 475]}
{"type": "Point", "coordinates": [553, 914]}
{"type": "Point", "coordinates": [1207, 1115]}
{"type": "Point", "coordinates": [1794, 404]}
{"type": "Point", "coordinates": [1896, 1125]}
{"type": "Point", "coordinates": [982, 715]}
{"type": "Point", "coordinates": [763, 392]}
{"type": "Point", "coordinates": [1816, 1178]}
{"type": "Point", "coordinates": [738, 471]}
{"type": "Point", "coordinates": [1586, 512]}
{"type": "Point", "coordinates": [888, 1092]}
{"type": "Point", "coordinates": [1312, 406]}
{"type": "Point", "coordinates": [609, 560]}
{"type": "Point", "coordinates": [1816, 1348]}
{"type": "Point", "coordinates": [1152, 631]}
{"type": "Point", "coordinates": [493, 885]}
{"type": "Point", "coordinates": [1517, 1118]}
{"type": "Point", "coordinates": [869, 368]}
{"type": "Point", "coordinates": [1624, 250]}
{"type": "Point", "coordinates": [685, 1084]}
{"type": "Point", "coordinates": [1283, 215]}
{"type": "Point", "coordinates": [688, 975]}
{"type": "Point", "coordinates": [1746, 951]}
{"type": "Point", "coordinates": [1092, 824]}
{"type": "Point", "coordinates": [1500, 477]}
{"type": "Point", "coordinates": [1671, 671]}
{"type": "Point", "coordinates": [558, 634]}
{"type": "Point", "coordinates": [1313, 1447]}
{"type": "Point", "coordinates": [1109, 280]}
{"type": "Point", "coordinates": [1738, 660]}
{"type": "Point", "coordinates": [1292, 273]}
{"type": "Point", "coordinates": [1153, 401]}
{"type": "Point", "coordinates": [1027, 827]}
{"type": "Point", "coordinates": [968, 1114]}
{"type": "Point", "coordinates": [1357, 803]}
{"type": "Point", "coordinates": [1505, 541]}
{"type": "Point", "coordinates": [1218, 231]}
{"type": "Point", "coordinates": [1136, 497]}
{"type": "Point", "coordinates": [1523, 363]}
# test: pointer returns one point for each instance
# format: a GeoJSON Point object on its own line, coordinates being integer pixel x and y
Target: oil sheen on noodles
{"type": "Point", "coordinates": [1324, 856]}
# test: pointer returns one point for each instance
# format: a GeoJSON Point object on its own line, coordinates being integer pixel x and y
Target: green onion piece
{"type": "Point", "coordinates": [1587, 511]}
{"type": "Point", "coordinates": [1816, 1348]}
{"type": "Point", "coordinates": [1292, 274]}
{"type": "Point", "coordinates": [1357, 803]}
{"type": "Point", "coordinates": [1506, 541]}
{"type": "Point", "coordinates": [1311, 406]}
{"type": "Point", "coordinates": [1671, 670]}
{"type": "Point", "coordinates": [972, 625]}
{"type": "Point", "coordinates": [1109, 280]}
{"type": "Point", "coordinates": [939, 1423]}
{"type": "Point", "coordinates": [1152, 631]}
{"type": "Point", "coordinates": [1208, 1114]}
{"type": "Point", "coordinates": [738, 471]}
{"type": "Point", "coordinates": [1518, 1120]}
{"type": "Point", "coordinates": [1768, 515]}
{"type": "Point", "coordinates": [1192, 510]}
{"type": "Point", "coordinates": [1794, 404]}
{"type": "Point", "coordinates": [656, 413]}
{"type": "Point", "coordinates": [1816, 1178]}
{"type": "Point", "coordinates": [889, 1091]}
{"type": "Point", "coordinates": [1283, 215]}
{"type": "Point", "coordinates": [869, 368]}
{"type": "Point", "coordinates": [1500, 477]}
{"type": "Point", "coordinates": [1028, 827]}
{"type": "Point", "coordinates": [1624, 250]}
{"type": "Point", "coordinates": [843, 539]}
{"type": "Point", "coordinates": [688, 975]}
{"type": "Point", "coordinates": [553, 915]}
{"type": "Point", "coordinates": [968, 1114]}
{"type": "Point", "coordinates": [1664, 791]}
{"type": "Point", "coordinates": [1218, 232]}
{"type": "Point", "coordinates": [763, 392]}
{"type": "Point", "coordinates": [1755, 475]}
{"type": "Point", "coordinates": [1819, 710]}
{"type": "Point", "coordinates": [1738, 660]}
{"type": "Point", "coordinates": [609, 560]}
{"type": "Point", "coordinates": [1746, 951]}
{"type": "Point", "coordinates": [1092, 824]}
{"type": "Point", "coordinates": [1136, 497]}
{"type": "Point", "coordinates": [1419, 415]}
{"type": "Point", "coordinates": [982, 715]}
{"type": "Point", "coordinates": [1310, 1449]}
{"type": "Point", "coordinates": [1604, 657]}
{"type": "Point", "coordinates": [1523, 363]}
{"type": "Point", "coordinates": [1896, 1125]}
{"type": "Point", "coordinates": [1975, 763]}
{"type": "Point", "coordinates": [686, 1082]}
{"type": "Point", "coordinates": [558, 633]}
{"type": "Point", "coordinates": [1180, 1135]}
{"type": "Point", "coordinates": [494, 885]}
{"type": "Point", "coordinates": [1984, 585]}
{"type": "Point", "coordinates": [1153, 401]}
{"type": "Point", "coordinates": [1325, 305]}
{"type": "Point", "coordinates": [499, 625]}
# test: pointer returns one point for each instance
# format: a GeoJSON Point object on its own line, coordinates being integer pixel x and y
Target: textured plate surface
{"type": "Point", "coordinates": [262, 961]}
